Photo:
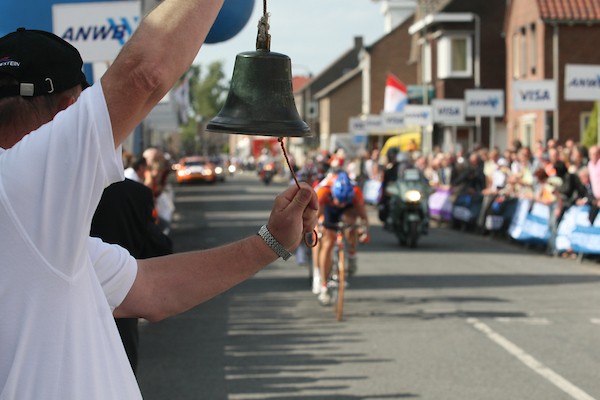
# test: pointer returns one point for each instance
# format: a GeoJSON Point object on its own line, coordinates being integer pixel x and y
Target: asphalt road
{"type": "Point", "coordinates": [461, 317]}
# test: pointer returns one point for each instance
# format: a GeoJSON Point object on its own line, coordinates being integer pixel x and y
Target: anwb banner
{"type": "Point", "coordinates": [531, 225]}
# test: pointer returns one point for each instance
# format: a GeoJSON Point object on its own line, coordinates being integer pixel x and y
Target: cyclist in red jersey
{"type": "Point", "coordinates": [339, 200]}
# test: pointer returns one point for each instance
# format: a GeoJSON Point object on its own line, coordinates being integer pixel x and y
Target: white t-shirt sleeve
{"type": "Point", "coordinates": [115, 268]}
{"type": "Point", "coordinates": [54, 178]}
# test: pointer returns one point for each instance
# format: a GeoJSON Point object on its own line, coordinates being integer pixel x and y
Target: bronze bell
{"type": "Point", "coordinates": [260, 100]}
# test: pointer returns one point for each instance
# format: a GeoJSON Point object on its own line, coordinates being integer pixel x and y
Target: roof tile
{"type": "Point", "coordinates": [299, 81]}
{"type": "Point", "coordinates": [569, 10]}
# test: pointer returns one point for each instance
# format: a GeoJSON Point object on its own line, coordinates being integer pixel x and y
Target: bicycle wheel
{"type": "Point", "coordinates": [339, 303]}
{"type": "Point", "coordinates": [332, 281]}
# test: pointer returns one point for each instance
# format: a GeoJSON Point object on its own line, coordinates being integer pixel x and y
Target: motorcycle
{"type": "Point", "coordinates": [408, 213]}
{"type": "Point", "coordinates": [267, 172]}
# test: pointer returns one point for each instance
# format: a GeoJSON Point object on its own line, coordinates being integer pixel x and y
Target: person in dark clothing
{"type": "Point", "coordinates": [125, 216]}
{"type": "Point", "coordinates": [390, 174]}
{"type": "Point", "coordinates": [571, 188]}
{"type": "Point", "coordinates": [468, 182]}
{"type": "Point", "coordinates": [588, 199]}
{"type": "Point", "coordinates": [471, 179]}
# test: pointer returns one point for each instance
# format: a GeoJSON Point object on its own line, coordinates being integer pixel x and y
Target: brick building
{"type": "Point", "coordinates": [542, 37]}
{"type": "Point", "coordinates": [458, 45]}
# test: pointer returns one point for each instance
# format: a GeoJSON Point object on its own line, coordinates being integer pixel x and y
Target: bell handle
{"type": "Point", "coordinates": [263, 38]}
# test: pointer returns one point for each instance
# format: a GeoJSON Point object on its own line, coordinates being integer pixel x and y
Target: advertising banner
{"type": "Point", "coordinates": [31, 14]}
{"type": "Point", "coordinates": [357, 126]}
{"type": "Point", "coordinates": [418, 115]}
{"type": "Point", "coordinates": [392, 121]}
{"type": "Point", "coordinates": [449, 112]}
{"type": "Point", "coordinates": [372, 123]}
{"type": "Point", "coordinates": [582, 82]}
{"type": "Point", "coordinates": [97, 30]}
{"type": "Point", "coordinates": [484, 103]}
{"type": "Point", "coordinates": [534, 95]}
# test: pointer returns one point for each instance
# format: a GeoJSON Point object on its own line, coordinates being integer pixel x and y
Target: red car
{"type": "Point", "coordinates": [195, 169]}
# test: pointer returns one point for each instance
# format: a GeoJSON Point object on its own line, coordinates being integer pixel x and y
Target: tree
{"type": "Point", "coordinates": [590, 136]}
{"type": "Point", "coordinates": [207, 94]}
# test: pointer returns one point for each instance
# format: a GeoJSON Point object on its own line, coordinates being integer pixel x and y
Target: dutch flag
{"type": "Point", "coordinates": [396, 95]}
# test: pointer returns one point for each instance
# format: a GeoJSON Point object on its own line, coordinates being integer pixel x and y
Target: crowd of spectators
{"type": "Point", "coordinates": [558, 175]}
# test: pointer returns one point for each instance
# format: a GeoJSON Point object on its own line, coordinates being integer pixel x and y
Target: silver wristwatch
{"type": "Point", "coordinates": [281, 251]}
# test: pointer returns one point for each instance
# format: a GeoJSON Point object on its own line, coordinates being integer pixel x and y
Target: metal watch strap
{"type": "Point", "coordinates": [281, 251]}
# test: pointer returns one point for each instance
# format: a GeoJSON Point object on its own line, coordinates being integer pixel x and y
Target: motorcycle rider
{"type": "Point", "coordinates": [395, 171]}
{"type": "Point", "coordinates": [339, 200]}
{"type": "Point", "coordinates": [397, 163]}
{"type": "Point", "coordinates": [266, 166]}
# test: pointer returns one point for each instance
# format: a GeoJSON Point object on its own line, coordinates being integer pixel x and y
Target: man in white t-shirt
{"type": "Point", "coordinates": [59, 149]}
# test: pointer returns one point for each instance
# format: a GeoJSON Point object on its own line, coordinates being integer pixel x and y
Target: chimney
{"type": "Point", "coordinates": [396, 12]}
{"type": "Point", "coordinates": [358, 42]}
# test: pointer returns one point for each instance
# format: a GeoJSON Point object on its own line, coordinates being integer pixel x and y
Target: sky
{"type": "Point", "coordinates": [313, 33]}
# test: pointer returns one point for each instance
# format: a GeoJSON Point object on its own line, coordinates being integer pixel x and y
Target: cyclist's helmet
{"type": "Point", "coordinates": [343, 189]}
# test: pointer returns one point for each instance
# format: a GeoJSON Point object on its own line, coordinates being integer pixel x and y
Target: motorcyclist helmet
{"type": "Point", "coordinates": [343, 189]}
{"type": "Point", "coordinates": [392, 153]}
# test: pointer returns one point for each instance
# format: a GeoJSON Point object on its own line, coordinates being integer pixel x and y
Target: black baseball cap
{"type": "Point", "coordinates": [41, 62]}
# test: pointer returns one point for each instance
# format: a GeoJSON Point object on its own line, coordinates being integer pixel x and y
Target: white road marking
{"type": "Point", "coordinates": [525, 320]}
{"type": "Point", "coordinates": [530, 361]}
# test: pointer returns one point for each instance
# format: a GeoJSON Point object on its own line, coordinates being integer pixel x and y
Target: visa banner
{"type": "Point", "coordinates": [447, 111]}
{"type": "Point", "coordinates": [534, 95]}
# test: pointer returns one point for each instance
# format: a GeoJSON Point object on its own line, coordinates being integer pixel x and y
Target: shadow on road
{"type": "Point", "coordinates": [437, 281]}
{"type": "Point", "coordinates": [251, 341]}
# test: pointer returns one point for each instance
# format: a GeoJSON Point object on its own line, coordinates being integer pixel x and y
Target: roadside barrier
{"type": "Point", "coordinates": [576, 233]}
{"type": "Point", "coordinates": [531, 223]}
{"type": "Point", "coordinates": [521, 219]}
{"type": "Point", "coordinates": [440, 205]}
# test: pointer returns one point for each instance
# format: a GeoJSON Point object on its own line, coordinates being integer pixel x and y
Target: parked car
{"type": "Point", "coordinates": [195, 169]}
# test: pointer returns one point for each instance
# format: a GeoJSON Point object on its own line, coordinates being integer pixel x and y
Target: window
{"type": "Point", "coordinates": [523, 53]}
{"type": "Point", "coordinates": [532, 49]}
{"type": "Point", "coordinates": [455, 57]}
{"type": "Point", "coordinates": [459, 55]}
{"type": "Point", "coordinates": [528, 129]}
{"type": "Point", "coordinates": [516, 70]}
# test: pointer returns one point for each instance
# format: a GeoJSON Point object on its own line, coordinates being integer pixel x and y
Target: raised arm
{"type": "Point", "coordinates": [169, 285]}
{"type": "Point", "coordinates": [160, 51]}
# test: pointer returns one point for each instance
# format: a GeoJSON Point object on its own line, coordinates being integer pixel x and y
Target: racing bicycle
{"type": "Point", "coordinates": [337, 280]}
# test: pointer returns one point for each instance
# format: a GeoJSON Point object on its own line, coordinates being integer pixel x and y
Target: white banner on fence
{"type": "Point", "coordinates": [363, 125]}
{"type": "Point", "coordinates": [484, 103]}
{"type": "Point", "coordinates": [392, 121]}
{"type": "Point", "coordinates": [582, 82]}
{"type": "Point", "coordinates": [534, 95]}
{"type": "Point", "coordinates": [418, 115]}
{"type": "Point", "coordinates": [449, 112]}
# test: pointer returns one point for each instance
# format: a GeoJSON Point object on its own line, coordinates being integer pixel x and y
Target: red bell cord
{"type": "Point", "coordinates": [314, 232]}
